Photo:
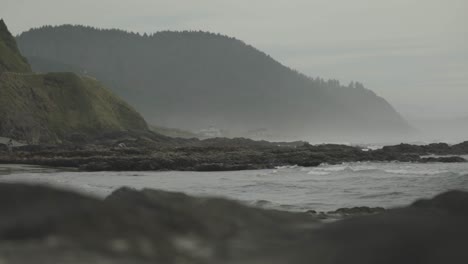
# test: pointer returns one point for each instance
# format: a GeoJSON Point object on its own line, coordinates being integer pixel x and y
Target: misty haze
{"type": "Point", "coordinates": [233, 132]}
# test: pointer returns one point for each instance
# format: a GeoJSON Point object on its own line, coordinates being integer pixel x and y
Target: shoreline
{"type": "Point", "coordinates": [123, 154]}
{"type": "Point", "coordinates": [323, 189]}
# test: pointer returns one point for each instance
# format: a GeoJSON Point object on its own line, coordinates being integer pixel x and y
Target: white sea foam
{"type": "Point", "coordinates": [313, 172]}
{"type": "Point", "coordinates": [332, 168]}
{"type": "Point", "coordinates": [415, 172]}
{"type": "Point", "coordinates": [322, 188]}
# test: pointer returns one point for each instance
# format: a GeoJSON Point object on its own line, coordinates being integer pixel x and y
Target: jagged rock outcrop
{"type": "Point", "coordinates": [152, 152]}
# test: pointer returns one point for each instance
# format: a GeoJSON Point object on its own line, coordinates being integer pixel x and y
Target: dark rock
{"type": "Point", "coordinates": [96, 166]}
{"type": "Point", "coordinates": [358, 210]}
{"type": "Point", "coordinates": [453, 201]}
{"type": "Point", "coordinates": [224, 167]}
{"type": "Point", "coordinates": [44, 225]}
{"type": "Point", "coordinates": [461, 149]}
{"type": "Point", "coordinates": [451, 159]}
{"type": "Point", "coordinates": [432, 231]}
{"type": "Point", "coordinates": [148, 151]}
{"type": "Point", "coordinates": [405, 148]}
{"type": "Point", "coordinates": [150, 225]}
{"type": "Point", "coordinates": [438, 148]}
{"type": "Point", "coordinates": [3, 147]}
{"type": "Point", "coordinates": [78, 138]}
{"type": "Point", "coordinates": [434, 148]}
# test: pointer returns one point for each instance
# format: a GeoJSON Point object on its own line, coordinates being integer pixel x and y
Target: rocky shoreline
{"type": "Point", "coordinates": [46, 225]}
{"type": "Point", "coordinates": [150, 152]}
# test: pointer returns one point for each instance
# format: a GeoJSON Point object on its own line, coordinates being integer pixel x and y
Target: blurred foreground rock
{"type": "Point", "coordinates": [44, 225]}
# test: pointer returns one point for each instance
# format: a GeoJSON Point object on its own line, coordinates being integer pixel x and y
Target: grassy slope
{"type": "Point", "coordinates": [11, 61]}
{"type": "Point", "coordinates": [53, 106]}
{"type": "Point", "coordinates": [10, 57]}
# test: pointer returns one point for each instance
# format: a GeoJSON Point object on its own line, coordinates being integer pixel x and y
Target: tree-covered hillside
{"type": "Point", "coordinates": [194, 80]}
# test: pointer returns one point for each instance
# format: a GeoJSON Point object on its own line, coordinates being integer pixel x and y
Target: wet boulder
{"type": "Point", "coordinates": [3, 148]}
{"type": "Point", "coordinates": [363, 210]}
{"type": "Point", "coordinates": [449, 159]}
{"type": "Point", "coordinates": [433, 231]}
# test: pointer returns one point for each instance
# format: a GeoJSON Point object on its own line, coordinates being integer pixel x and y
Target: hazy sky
{"type": "Point", "coordinates": [412, 52]}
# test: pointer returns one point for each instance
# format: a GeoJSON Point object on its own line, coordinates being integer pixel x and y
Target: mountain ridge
{"type": "Point", "coordinates": [194, 80]}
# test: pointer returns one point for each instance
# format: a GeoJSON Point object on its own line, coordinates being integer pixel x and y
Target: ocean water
{"type": "Point", "coordinates": [323, 188]}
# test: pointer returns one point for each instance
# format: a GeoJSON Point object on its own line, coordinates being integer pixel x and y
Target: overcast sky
{"type": "Point", "coordinates": [412, 52]}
